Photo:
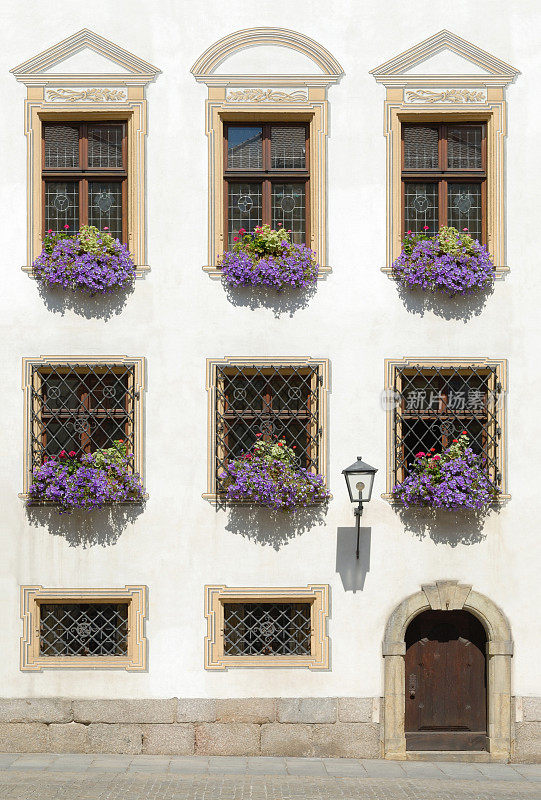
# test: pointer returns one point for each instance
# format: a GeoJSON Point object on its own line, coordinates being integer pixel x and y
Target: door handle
{"type": "Point", "coordinates": [412, 685]}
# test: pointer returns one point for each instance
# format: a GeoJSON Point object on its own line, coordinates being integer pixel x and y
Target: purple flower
{"type": "Point", "coordinates": [450, 262]}
{"type": "Point", "coordinates": [89, 262]}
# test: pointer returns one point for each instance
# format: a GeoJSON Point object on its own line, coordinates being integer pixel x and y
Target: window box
{"type": "Point", "coordinates": [451, 262]}
{"type": "Point", "coordinates": [89, 261]}
{"type": "Point", "coordinates": [268, 257]}
{"type": "Point", "coordinates": [268, 475]}
{"type": "Point", "coordinates": [455, 478]}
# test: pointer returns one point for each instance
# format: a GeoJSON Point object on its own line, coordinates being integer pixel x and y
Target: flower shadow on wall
{"type": "Point", "coordinates": [272, 528]}
{"type": "Point", "coordinates": [101, 528]}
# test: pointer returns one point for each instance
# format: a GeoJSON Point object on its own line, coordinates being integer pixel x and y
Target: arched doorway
{"type": "Point", "coordinates": [445, 674]}
{"type": "Point", "coordinates": [448, 596]}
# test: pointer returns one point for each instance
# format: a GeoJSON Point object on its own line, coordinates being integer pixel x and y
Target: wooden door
{"type": "Point", "coordinates": [446, 694]}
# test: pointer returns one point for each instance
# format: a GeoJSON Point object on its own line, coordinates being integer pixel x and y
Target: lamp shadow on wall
{"type": "Point", "coordinates": [352, 571]}
{"type": "Point", "coordinates": [445, 526]}
{"type": "Point", "coordinates": [463, 307]}
{"type": "Point", "coordinates": [272, 528]}
{"type": "Point", "coordinates": [102, 527]}
{"type": "Point", "coordinates": [288, 301]}
{"type": "Point", "coordinates": [58, 301]}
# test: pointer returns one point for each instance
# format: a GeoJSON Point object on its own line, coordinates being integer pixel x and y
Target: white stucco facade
{"type": "Point", "coordinates": [178, 316]}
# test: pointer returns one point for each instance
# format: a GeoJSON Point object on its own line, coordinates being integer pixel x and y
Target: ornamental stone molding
{"type": "Point", "coordinates": [418, 86]}
{"type": "Point", "coordinates": [449, 595]}
{"type": "Point", "coordinates": [287, 97]}
{"type": "Point", "coordinates": [75, 91]}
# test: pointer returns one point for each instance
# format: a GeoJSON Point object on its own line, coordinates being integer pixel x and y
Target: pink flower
{"type": "Point", "coordinates": [235, 238]}
{"type": "Point", "coordinates": [66, 227]}
{"type": "Point", "coordinates": [419, 454]}
{"type": "Point", "coordinates": [72, 453]}
{"type": "Point", "coordinates": [409, 231]}
{"type": "Point", "coordinates": [464, 229]}
{"type": "Point", "coordinates": [279, 224]}
{"type": "Point", "coordinates": [106, 228]}
{"type": "Point", "coordinates": [50, 230]}
{"type": "Point", "coordinates": [425, 227]}
{"type": "Point", "coordinates": [436, 457]}
{"type": "Point", "coordinates": [259, 434]}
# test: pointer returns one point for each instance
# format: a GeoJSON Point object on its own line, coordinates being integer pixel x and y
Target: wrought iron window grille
{"type": "Point", "coordinates": [280, 402]}
{"type": "Point", "coordinates": [267, 629]}
{"type": "Point", "coordinates": [435, 404]}
{"type": "Point", "coordinates": [81, 408]}
{"type": "Point", "coordinates": [83, 629]}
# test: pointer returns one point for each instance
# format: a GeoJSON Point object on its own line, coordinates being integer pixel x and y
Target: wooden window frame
{"type": "Point", "coordinates": [134, 596]}
{"type": "Point", "coordinates": [84, 173]}
{"type": "Point", "coordinates": [267, 175]}
{"type": "Point", "coordinates": [498, 367]}
{"type": "Point", "coordinates": [217, 595]}
{"type": "Point", "coordinates": [215, 395]}
{"type": "Point", "coordinates": [34, 368]}
{"type": "Point", "coordinates": [443, 174]}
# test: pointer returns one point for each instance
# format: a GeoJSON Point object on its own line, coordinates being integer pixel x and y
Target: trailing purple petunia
{"type": "Point", "coordinates": [89, 261]}
{"type": "Point", "coordinates": [455, 478]}
{"type": "Point", "coordinates": [86, 482]}
{"type": "Point", "coordinates": [267, 476]}
{"type": "Point", "coordinates": [451, 262]}
{"type": "Point", "coordinates": [267, 257]}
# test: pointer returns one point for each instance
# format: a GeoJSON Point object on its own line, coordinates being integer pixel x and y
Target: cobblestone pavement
{"type": "Point", "coordinates": [115, 777]}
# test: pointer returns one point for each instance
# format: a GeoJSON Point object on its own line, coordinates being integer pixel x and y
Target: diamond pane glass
{"type": "Point", "coordinates": [464, 147]}
{"type": "Point", "coordinates": [105, 145]}
{"type": "Point", "coordinates": [62, 205]}
{"type": "Point", "coordinates": [267, 629]}
{"type": "Point", "coordinates": [436, 405]}
{"type": "Point", "coordinates": [244, 147]}
{"type": "Point", "coordinates": [105, 206]}
{"type": "Point", "coordinates": [267, 402]}
{"type": "Point", "coordinates": [289, 209]}
{"type": "Point", "coordinates": [83, 629]}
{"type": "Point", "coordinates": [420, 147]}
{"type": "Point", "coordinates": [288, 147]}
{"type": "Point", "coordinates": [245, 208]}
{"type": "Point", "coordinates": [421, 207]}
{"type": "Point", "coordinates": [81, 408]}
{"type": "Point", "coordinates": [61, 145]}
{"type": "Point", "coordinates": [464, 208]}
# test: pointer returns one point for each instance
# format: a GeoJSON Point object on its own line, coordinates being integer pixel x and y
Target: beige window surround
{"type": "Point", "coordinates": [56, 97]}
{"type": "Point", "coordinates": [28, 367]}
{"type": "Point", "coordinates": [217, 595]}
{"type": "Point", "coordinates": [134, 596]}
{"type": "Point", "coordinates": [266, 98]}
{"type": "Point", "coordinates": [458, 97]}
{"type": "Point", "coordinates": [500, 365]}
{"type": "Point", "coordinates": [212, 388]}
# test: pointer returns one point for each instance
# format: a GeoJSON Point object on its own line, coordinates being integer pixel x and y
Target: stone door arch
{"type": "Point", "coordinates": [448, 595]}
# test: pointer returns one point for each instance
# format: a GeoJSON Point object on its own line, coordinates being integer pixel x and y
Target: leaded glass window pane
{"type": "Point", "coordinates": [421, 207]}
{"type": "Point", "coordinates": [267, 629]}
{"type": "Point", "coordinates": [61, 145]}
{"type": "Point", "coordinates": [245, 208]}
{"type": "Point", "coordinates": [289, 209]}
{"type": "Point", "coordinates": [105, 145]}
{"type": "Point", "coordinates": [464, 147]}
{"type": "Point", "coordinates": [62, 205]}
{"type": "Point", "coordinates": [83, 629]}
{"type": "Point", "coordinates": [420, 147]}
{"type": "Point", "coordinates": [81, 408]}
{"type": "Point", "coordinates": [464, 207]}
{"type": "Point", "coordinates": [288, 147]}
{"type": "Point", "coordinates": [244, 147]}
{"type": "Point", "coordinates": [105, 206]}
